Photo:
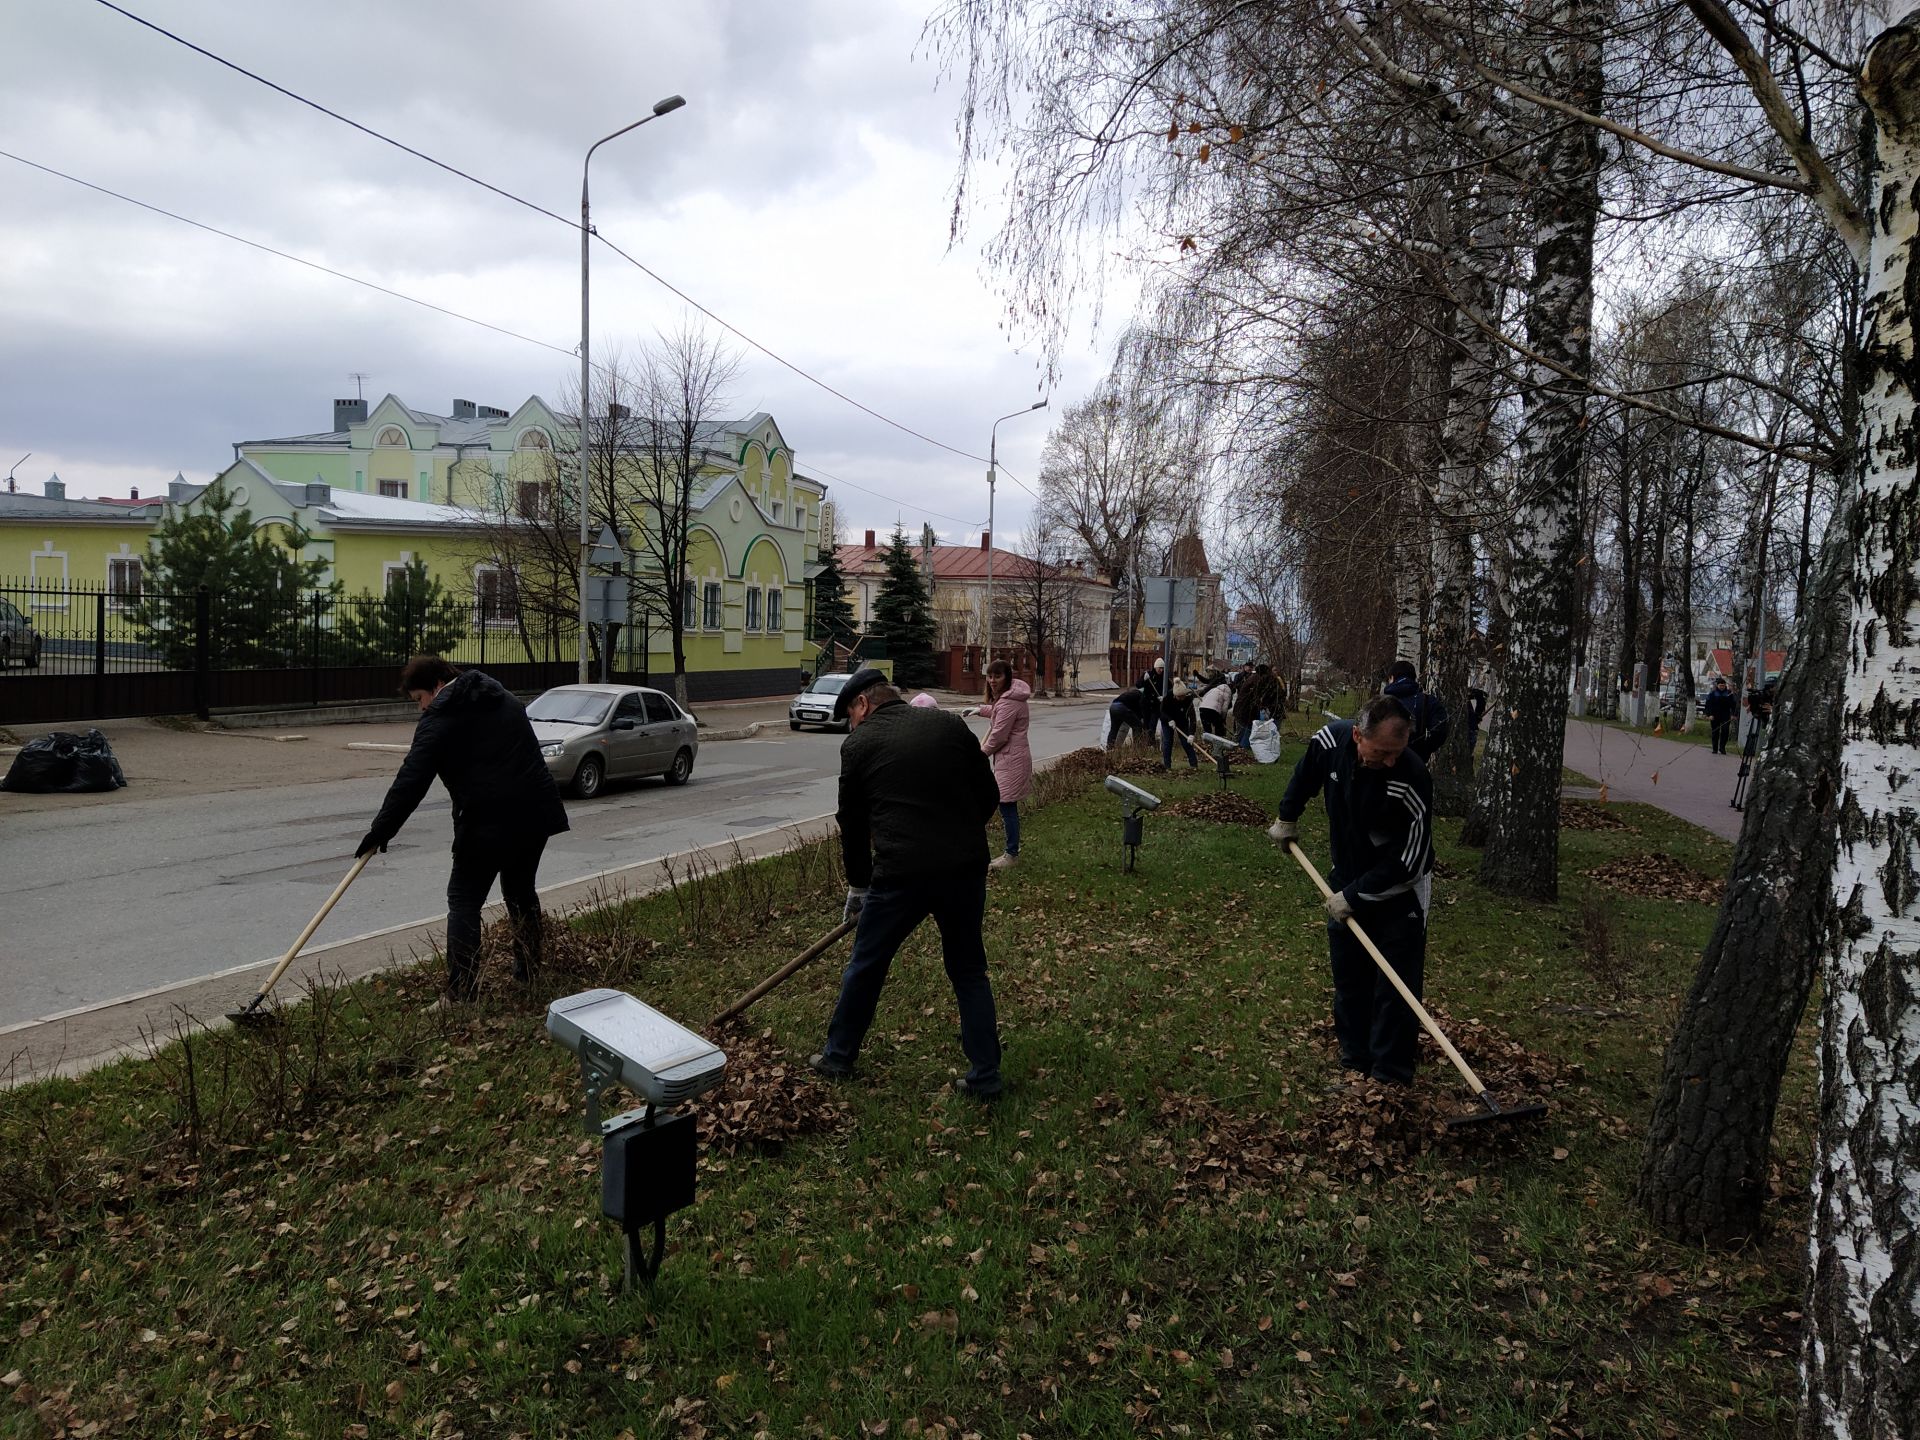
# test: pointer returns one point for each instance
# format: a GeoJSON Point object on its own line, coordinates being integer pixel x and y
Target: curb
{"type": "Point", "coordinates": [746, 732]}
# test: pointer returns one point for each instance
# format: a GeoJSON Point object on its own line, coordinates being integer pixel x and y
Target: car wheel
{"type": "Point", "coordinates": [793, 724]}
{"type": "Point", "coordinates": [682, 768]}
{"type": "Point", "coordinates": [589, 777]}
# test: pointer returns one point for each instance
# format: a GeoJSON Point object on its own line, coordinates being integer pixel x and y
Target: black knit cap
{"type": "Point", "coordinates": [864, 679]}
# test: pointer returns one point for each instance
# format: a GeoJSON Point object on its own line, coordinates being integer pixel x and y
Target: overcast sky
{"type": "Point", "coordinates": [802, 195]}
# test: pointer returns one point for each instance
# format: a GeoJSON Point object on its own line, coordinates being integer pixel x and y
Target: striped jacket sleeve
{"type": "Point", "coordinates": [1403, 839]}
{"type": "Point", "coordinates": [1310, 775]}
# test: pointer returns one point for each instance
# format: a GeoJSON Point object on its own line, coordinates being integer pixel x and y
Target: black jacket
{"type": "Point", "coordinates": [916, 792]}
{"type": "Point", "coordinates": [477, 739]}
{"type": "Point", "coordinates": [1178, 707]}
{"type": "Point", "coordinates": [1381, 821]}
{"type": "Point", "coordinates": [1430, 719]}
{"type": "Point", "coordinates": [1719, 704]}
{"type": "Point", "coordinates": [1260, 692]}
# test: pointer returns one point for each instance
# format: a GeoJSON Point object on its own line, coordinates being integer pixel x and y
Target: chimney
{"type": "Point", "coordinates": [319, 492]}
{"type": "Point", "coordinates": [463, 410]}
{"type": "Point", "coordinates": [492, 412]}
{"type": "Point", "coordinates": [134, 493]}
{"type": "Point", "coordinates": [986, 539]}
{"type": "Point", "coordinates": [869, 539]}
{"type": "Point", "coordinates": [349, 412]}
{"type": "Point", "coordinates": [56, 488]}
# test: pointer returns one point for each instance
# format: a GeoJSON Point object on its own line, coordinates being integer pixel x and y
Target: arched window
{"type": "Point", "coordinates": [392, 437]}
{"type": "Point", "coordinates": [533, 440]}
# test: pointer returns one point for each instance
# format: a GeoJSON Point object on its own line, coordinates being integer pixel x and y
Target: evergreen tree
{"type": "Point", "coordinates": [415, 617]}
{"type": "Point", "coordinates": [253, 581]}
{"type": "Point", "coordinates": [903, 617]}
{"type": "Point", "coordinates": [833, 620]}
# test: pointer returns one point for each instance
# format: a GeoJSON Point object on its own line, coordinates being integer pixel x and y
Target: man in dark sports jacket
{"type": "Point", "coordinates": [1379, 817]}
{"type": "Point", "coordinates": [476, 738]}
{"type": "Point", "coordinates": [1719, 706]}
{"type": "Point", "coordinates": [916, 792]}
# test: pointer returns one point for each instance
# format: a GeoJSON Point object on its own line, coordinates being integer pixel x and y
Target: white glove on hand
{"type": "Point", "coordinates": [1284, 832]}
{"type": "Point", "coordinates": [1338, 910]}
{"type": "Point", "coordinates": [856, 898]}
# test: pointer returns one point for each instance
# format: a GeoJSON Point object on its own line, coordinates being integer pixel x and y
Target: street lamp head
{"type": "Point", "coordinates": [672, 102]}
{"type": "Point", "coordinates": [1038, 405]}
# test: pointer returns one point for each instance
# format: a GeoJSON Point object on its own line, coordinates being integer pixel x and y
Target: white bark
{"type": "Point", "coordinates": [1863, 1379]}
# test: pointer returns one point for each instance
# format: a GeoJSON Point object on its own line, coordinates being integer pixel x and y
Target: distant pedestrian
{"type": "Point", "coordinates": [1215, 701]}
{"type": "Point", "coordinates": [1430, 721]}
{"type": "Point", "coordinates": [1006, 745]}
{"type": "Point", "coordinates": [477, 739]}
{"type": "Point", "coordinates": [1131, 712]}
{"type": "Point", "coordinates": [1719, 706]}
{"type": "Point", "coordinates": [1258, 697]}
{"type": "Point", "coordinates": [1177, 722]}
{"type": "Point", "coordinates": [924, 701]}
{"type": "Point", "coordinates": [916, 792]}
{"type": "Point", "coordinates": [1476, 712]}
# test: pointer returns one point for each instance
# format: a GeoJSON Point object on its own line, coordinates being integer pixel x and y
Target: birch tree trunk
{"type": "Point", "coordinates": [1520, 780]}
{"type": "Point", "coordinates": [1863, 1309]}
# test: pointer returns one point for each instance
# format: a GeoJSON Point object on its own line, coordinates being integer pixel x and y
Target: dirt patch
{"type": "Point", "coordinates": [1221, 807]}
{"type": "Point", "coordinates": [1657, 877]}
{"type": "Point", "coordinates": [768, 1098]}
{"type": "Point", "coordinates": [1588, 815]}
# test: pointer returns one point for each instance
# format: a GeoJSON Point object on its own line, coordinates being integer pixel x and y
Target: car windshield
{"type": "Point", "coordinates": [570, 707]}
{"type": "Point", "coordinates": [827, 685]}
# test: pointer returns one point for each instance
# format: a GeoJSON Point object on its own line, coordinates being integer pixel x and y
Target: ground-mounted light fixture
{"type": "Point", "coordinates": [1134, 803]}
{"type": "Point", "coordinates": [647, 1154]}
{"type": "Point", "coordinates": [1222, 747]}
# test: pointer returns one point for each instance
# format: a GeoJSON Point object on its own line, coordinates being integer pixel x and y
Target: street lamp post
{"type": "Point", "coordinates": [993, 479]}
{"type": "Point", "coordinates": [672, 102]}
{"type": "Point", "coordinates": [11, 487]}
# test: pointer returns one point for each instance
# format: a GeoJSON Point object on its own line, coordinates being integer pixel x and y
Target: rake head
{"type": "Point", "coordinates": [254, 1018]}
{"type": "Point", "coordinates": [1494, 1113]}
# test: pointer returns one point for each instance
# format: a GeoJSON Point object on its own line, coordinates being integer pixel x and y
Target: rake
{"type": "Point", "coordinates": [252, 1016]}
{"type": "Point", "coordinates": [1493, 1110]}
{"type": "Point", "coordinates": [784, 973]}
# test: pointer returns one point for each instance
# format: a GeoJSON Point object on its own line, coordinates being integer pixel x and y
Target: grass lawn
{"type": "Point", "coordinates": [387, 1223]}
{"type": "Point", "coordinates": [1700, 733]}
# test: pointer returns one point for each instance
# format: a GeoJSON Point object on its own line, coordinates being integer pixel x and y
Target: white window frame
{"type": "Point", "coordinates": [753, 608]}
{"type": "Point", "coordinates": [800, 516]}
{"type": "Point", "coordinates": [34, 557]}
{"type": "Point", "coordinates": [400, 491]}
{"type": "Point", "coordinates": [120, 599]}
{"type": "Point", "coordinates": [713, 605]}
{"type": "Point", "coordinates": [380, 441]}
{"type": "Point", "coordinates": [689, 604]}
{"type": "Point", "coordinates": [390, 568]}
{"type": "Point", "coordinates": [776, 509]}
{"type": "Point", "coordinates": [502, 620]}
{"type": "Point", "coordinates": [776, 610]}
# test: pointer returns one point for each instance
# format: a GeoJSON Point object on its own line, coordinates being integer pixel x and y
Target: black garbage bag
{"type": "Point", "coordinates": [64, 764]}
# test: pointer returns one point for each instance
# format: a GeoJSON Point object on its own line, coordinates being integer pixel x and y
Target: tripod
{"type": "Point", "coordinates": [1749, 757]}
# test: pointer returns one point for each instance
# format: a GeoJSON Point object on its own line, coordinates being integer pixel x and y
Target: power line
{"type": "Point", "coordinates": [285, 255]}
{"type": "Point", "coordinates": [505, 194]}
{"type": "Point", "coordinates": [395, 294]}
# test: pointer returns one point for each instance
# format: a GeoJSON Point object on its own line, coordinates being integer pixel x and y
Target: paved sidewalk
{"type": "Point", "coordinates": [1689, 781]}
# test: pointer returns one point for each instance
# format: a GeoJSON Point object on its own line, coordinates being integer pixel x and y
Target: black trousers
{"type": "Point", "coordinates": [1721, 729]}
{"type": "Point", "coordinates": [1377, 1033]}
{"type": "Point", "coordinates": [475, 867]}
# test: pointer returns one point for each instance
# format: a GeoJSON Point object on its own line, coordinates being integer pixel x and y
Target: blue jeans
{"type": "Point", "coordinates": [1166, 747]}
{"type": "Point", "coordinates": [1010, 821]}
{"type": "Point", "coordinates": [1243, 737]}
{"type": "Point", "coordinates": [893, 910]}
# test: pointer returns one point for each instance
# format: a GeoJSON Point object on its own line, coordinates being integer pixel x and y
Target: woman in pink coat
{"type": "Point", "coordinates": [1006, 745]}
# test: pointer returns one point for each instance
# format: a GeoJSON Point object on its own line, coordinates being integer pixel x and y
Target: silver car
{"type": "Point", "coordinates": [590, 734]}
{"type": "Point", "coordinates": [814, 705]}
{"type": "Point", "coordinates": [18, 639]}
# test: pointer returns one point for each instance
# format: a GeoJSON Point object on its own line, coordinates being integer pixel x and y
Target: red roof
{"type": "Point", "coordinates": [1723, 663]}
{"type": "Point", "coordinates": [950, 562]}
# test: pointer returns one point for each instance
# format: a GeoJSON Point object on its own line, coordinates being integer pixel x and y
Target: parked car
{"type": "Point", "coordinates": [18, 638]}
{"type": "Point", "coordinates": [590, 734]}
{"type": "Point", "coordinates": [814, 705]}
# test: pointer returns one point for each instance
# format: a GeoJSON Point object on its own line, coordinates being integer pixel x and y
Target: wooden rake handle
{"type": "Point", "coordinates": [313, 925]}
{"type": "Point", "coordinates": [1326, 893]}
{"type": "Point", "coordinates": [784, 973]}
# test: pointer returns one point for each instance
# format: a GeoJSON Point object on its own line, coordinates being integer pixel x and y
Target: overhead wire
{"type": "Point", "coordinates": [506, 194]}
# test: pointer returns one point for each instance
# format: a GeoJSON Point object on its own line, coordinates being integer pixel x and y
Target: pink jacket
{"type": "Point", "coordinates": [1006, 742]}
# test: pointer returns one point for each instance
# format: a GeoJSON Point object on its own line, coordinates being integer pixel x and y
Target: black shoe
{"type": "Point", "coordinates": [832, 1069]}
{"type": "Point", "coordinates": [967, 1087]}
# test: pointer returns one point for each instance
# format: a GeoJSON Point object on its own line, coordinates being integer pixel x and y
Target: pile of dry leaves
{"type": "Point", "coordinates": [1092, 760]}
{"type": "Point", "coordinates": [766, 1100]}
{"type": "Point", "coordinates": [1657, 877]}
{"type": "Point", "coordinates": [1586, 815]}
{"type": "Point", "coordinates": [1221, 807]}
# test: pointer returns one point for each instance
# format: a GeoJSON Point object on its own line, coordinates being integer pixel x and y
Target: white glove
{"type": "Point", "coordinates": [1338, 910]}
{"type": "Point", "coordinates": [856, 898]}
{"type": "Point", "coordinates": [1284, 832]}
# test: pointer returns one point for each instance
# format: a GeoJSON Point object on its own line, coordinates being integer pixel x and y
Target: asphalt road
{"type": "Point", "coordinates": [131, 894]}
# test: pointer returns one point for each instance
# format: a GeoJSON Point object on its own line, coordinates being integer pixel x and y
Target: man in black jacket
{"type": "Point", "coordinates": [1379, 809]}
{"type": "Point", "coordinates": [916, 793]}
{"type": "Point", "coordinates": [1430, 720]}
{"type": "Point", "coordinates": [1719, 706]}
{"type": "Point", "coordinates": [476, 738]}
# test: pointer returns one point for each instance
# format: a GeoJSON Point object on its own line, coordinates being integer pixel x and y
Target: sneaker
{"type": "Point", "coordinates": [832, 1069]}
{"type": "Point", "coordinates": [1004, 862]}
{"type": "Point", "coordinates": [965, 1086]}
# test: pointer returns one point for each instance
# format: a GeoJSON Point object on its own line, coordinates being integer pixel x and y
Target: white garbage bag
{"type": "Point", "coordinates": [1265, 742]}
{"type": "Point", "coordinates": [1106, 727]}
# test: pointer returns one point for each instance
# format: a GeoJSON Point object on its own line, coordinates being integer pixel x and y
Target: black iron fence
{"type": "Point", "coordinates": [75, 651]}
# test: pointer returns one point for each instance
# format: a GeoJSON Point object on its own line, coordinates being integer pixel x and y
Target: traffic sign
{"type": "Point", "coordinates": [607, 599]}
{"type": "Point", "coordinates": [606, 550]}
{"type": "Point", "coordinates": [1168, 601]}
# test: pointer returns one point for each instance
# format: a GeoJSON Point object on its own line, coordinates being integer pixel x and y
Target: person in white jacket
{"type": "Point", "coordinates": [1215, 701]}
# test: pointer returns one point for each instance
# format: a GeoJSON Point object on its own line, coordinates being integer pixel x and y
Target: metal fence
{"type": "Point", "coordinates": [88, 651]}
